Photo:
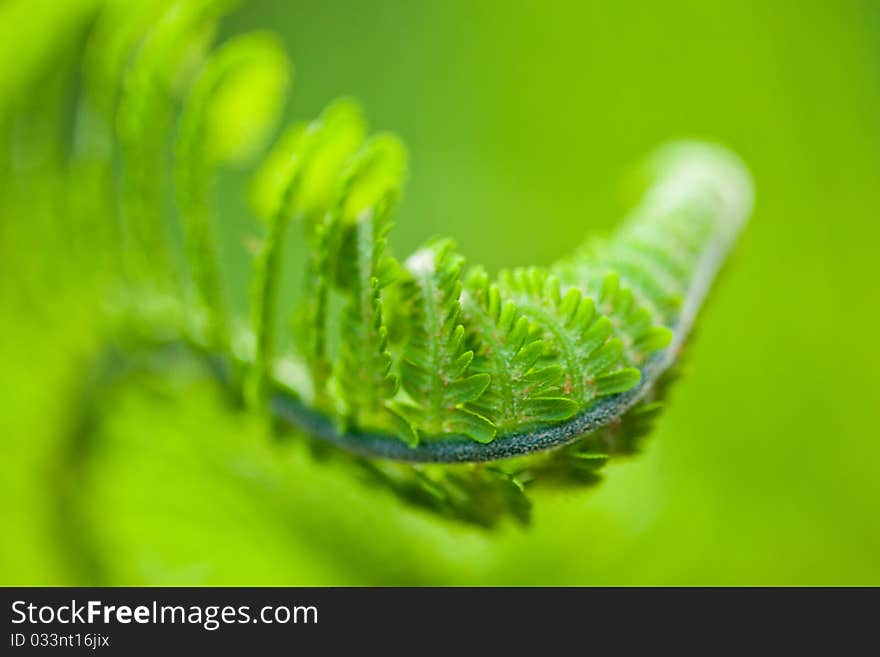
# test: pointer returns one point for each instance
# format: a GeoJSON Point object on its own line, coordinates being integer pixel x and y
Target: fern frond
{"type": "Point", "coordinates": [435, 369]}
{"type": "Point", "coordinates": [579, 337]}
{"type": "Point", "coordinates": [363, 373]}
{"type": "Point", "coordinates": [525, 391]}
{"type": "Point", "coordinates": [549, 356]}
{"type": "Point", "coordinates": [364, 269]}
{"type": "Point", "coordinates": [299, 179]}
{"type": "Point", "coordinates": [166, 57]}
{"type": "Point", "coordinates": [475, 494]}
{"type": "Point", "coordinates": [218, 126]}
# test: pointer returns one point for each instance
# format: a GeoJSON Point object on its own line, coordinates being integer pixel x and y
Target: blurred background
{"type": "Point", "coordinates": [524, 121]}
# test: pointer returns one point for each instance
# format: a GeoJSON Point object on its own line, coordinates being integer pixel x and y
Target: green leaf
{"type": "Point", "coordinates": [229, 114]}
{"type": "Point", "coordinates": [301, 174]}
{"type": "Point", "coordinates": [578, 340]}
{"type": "Point", "coordinates": [473, 425]}
{"type": "Point", "coordinates": [550, 409]}
{"type": "Point", "coordinates": [349, 251]}
{"type": "Point", "coordinates": [161, 64]}
{"type": "Point", "coordinates": [509, 350]}
{"type": "Point", "coordinates": [363, 370]}
{"type": "Point", "coordinates": [297, 177]}
{"type": "Point", "coordinates": [619, 381]}
{"type": "Point", "coordinates": [436, 363]}
{"type": "Point", "coordinates": [247, 82]}
{"type": "Point", "coordinates": [467, 389]}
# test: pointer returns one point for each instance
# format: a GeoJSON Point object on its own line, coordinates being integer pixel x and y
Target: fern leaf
{"type": "Point", "coordinates": [165, 58]}
{"type": "Point", "coordinates": [298, 179]}
{"type": "Point", "coordinates": [580, 338]}
{"type": "Point", "coordinates": [362, 372]}
{"type": "Point", "coordinates": [435, 369]}
{"type": "Point", "coordinates": [524, 392]}
{"type": "Point", "coordinates": [336, 136]}
{"type": "Point", "coordinates": [219, 126]}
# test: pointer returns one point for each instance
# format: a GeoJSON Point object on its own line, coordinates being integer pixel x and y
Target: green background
{"type": "Point", "coordinates": [524, 120]}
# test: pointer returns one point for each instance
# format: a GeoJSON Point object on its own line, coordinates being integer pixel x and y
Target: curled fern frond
{"type": "Point", "coordinates": [550, 356]}
{"type": "Point", "coordinates": [419, 369]}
